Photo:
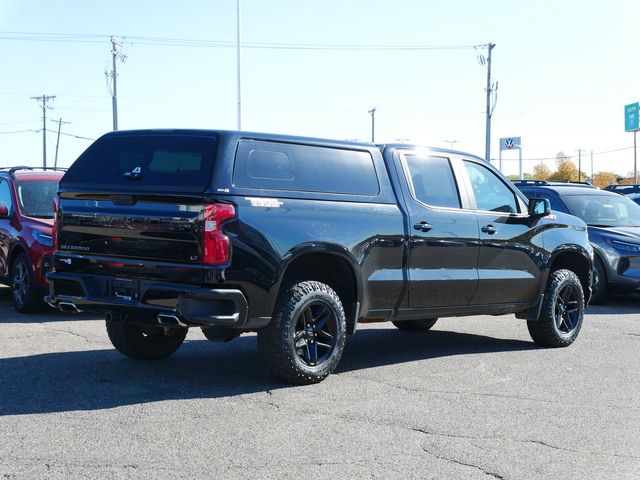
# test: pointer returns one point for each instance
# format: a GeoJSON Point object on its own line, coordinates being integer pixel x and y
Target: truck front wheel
{"type": "Point", "coordinates": [304, 341]}
{"type": "Point", "coordinates": [144, 343]}
{"type": "Point", "coordinates": [415, 325]}
{"type": "Point", "coordinates": [562, 311]}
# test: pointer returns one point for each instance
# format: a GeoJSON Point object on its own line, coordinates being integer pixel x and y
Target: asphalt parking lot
{"type": "Point", "coordinates": [473, 398]}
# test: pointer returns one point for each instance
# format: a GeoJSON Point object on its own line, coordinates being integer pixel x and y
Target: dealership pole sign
{"type": "Point", "coordinates": [632, 124]}
{"type": "Point", "coordinates": [511, 143]}
{"type": "Point", "coordinates": [631, 117]}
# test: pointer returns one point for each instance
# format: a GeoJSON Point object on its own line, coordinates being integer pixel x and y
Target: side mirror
{"type": "Point", "coordinates": [4, 212]}
{"type": "Point", "coordinates": [539, 207]}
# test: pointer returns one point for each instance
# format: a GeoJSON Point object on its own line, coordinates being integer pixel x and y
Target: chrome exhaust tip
{"type": "Point", "coordinates": [170, 320]}
{"type": "Point", "coordinates": [68, 307]}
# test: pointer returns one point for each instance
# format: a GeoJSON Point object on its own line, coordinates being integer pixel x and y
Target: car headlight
{"type": "Point", "coordinates": [42, 238]}
{"type": "Point", "coordinates": [624, 246]}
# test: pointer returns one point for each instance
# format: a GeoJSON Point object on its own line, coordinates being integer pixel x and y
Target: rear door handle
{"type": "Point", "coordinates": [422, 227]}
{"type": "Point", "coordinates": [490, 229]}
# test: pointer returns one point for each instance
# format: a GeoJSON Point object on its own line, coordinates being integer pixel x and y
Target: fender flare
{"type": "Point", "coordinates": [295, 253]}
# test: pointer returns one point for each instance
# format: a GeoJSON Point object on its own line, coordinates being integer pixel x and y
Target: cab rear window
{"type": "Point", "coordinates": [150, 162]}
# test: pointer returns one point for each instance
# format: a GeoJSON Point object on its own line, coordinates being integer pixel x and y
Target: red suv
{"type": "Point", "coordinates": [26, 220]}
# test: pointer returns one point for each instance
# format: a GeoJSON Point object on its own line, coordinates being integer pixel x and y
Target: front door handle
{"type": "Point", "coordinates": [490, 229]}
{"type": "Point", "coordinates": [422, 226]}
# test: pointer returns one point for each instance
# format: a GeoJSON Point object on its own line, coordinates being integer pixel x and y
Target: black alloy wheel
{"type": "Point", "coordinates": [315, 334]}
{"type": "Point", "coordinates": [567, 311]}
{"type": "Point", "coordinates": [24, 293]}
{"type": "Point", "coordinates": [562, 311]}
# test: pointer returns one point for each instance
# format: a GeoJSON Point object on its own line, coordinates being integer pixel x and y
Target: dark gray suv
{"type": "Point", "coordinates": [614, 231]}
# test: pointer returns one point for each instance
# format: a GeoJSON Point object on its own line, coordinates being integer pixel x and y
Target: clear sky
{"type": "Point", "coordinates": [565, 69]}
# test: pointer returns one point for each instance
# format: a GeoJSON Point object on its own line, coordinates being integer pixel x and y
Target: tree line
{"type": "Point", "coordinates": [567, 171]}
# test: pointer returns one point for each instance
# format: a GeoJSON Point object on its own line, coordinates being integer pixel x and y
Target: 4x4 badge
{"type": "Point", "coordinates": [133, 174]}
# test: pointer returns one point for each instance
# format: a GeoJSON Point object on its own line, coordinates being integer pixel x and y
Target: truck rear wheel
{"type": "Point", "coordinates": [304, 341]}
{"type": "Point", "coordinates": [415, 325]}
{"type": "Point", "coordinates": [562, 311]}
{"type": "Point", "coordinates": [144, 343]}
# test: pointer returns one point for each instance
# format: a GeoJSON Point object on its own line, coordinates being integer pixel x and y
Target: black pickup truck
{"type": "Point", "coordinates": [301, 239]}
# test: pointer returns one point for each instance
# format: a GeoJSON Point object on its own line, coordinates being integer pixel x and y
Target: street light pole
{"type": "Point", "coordinates": [238, 64]}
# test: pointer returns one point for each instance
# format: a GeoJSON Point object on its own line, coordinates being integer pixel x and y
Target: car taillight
{"type": "Point", "coordinates": [56, 213]}
{"type": "Point", "coordinates": [217, 247]}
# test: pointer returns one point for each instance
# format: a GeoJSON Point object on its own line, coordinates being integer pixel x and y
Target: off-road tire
{"type": "Point", "coordinates": [144, 343]}
{"type": "Point", "coordinates": [418, 325]}
{"type": "Point", "coordinates": [600, 293]}
{"type": "Point", "coordinates": [287, 360]}
{"type": "Point", "coordinates": [562, 311]}
{"type": "Point", "coordinates": [25, 294]}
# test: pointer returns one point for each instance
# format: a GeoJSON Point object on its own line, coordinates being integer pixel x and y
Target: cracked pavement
{"type": "Point", "coordinates": [474, 399]}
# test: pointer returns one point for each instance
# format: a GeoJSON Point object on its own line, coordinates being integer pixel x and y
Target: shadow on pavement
{"type": "Point", "coordinates": [44, 314]}
{"type": "Point", "coordinates": [99, 379]}
{"type": "Point", "coordinates": [617, 305]}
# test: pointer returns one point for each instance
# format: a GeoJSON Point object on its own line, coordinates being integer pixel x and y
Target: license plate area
{"type": "Point", "coordinates": [125, 289]}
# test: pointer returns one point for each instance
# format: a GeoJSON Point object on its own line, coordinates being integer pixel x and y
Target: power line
{"type": "Point", "coordinates": [190, 42]}
{"type": "Point", "coordinates": [69, 134]}
{"type": "Point", "coordinates": [603, 152]}
{"type": "Point", "coordinates": [19, 131]}
{"type": "Point", "coordinates": [48, 130]}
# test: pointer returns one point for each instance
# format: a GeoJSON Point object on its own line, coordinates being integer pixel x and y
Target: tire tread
{"type": "Point", "coordinates": [543, 331]}
{"type": "Point", "coordinates": [273, 339]}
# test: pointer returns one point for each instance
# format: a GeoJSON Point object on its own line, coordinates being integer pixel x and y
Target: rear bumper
{"type": "Point", "coordinates": [144, 300]}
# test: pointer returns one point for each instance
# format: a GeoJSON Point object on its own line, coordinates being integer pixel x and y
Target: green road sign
{"type": "Point", "coordinates": [631, 117]}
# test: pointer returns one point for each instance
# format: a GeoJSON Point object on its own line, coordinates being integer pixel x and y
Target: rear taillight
{"type": "Point", "coordinates": [217, 247]}
{"type": "Point", "coordinates": [56, 221]}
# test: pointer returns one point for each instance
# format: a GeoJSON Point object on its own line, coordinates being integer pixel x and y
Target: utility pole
{"type": "Point", "coordinates": [42, 101]}
{"type": "Point", "coordinates": [60, 122]}
{"type": "Point", "coordinates": [451, 142]}
{"type": "Point", "coordinates": [591, 166]}
{"type": "Point", "coordinates": [115, 55]}
{"type": "Point", "coordinates": [490, 108]}
{"type": "Point", "coordinates": [579, 163]}
{"type": "Point", "coordinates": [372, 112]}
{"type": "Point", "coordinates": [239, 77]}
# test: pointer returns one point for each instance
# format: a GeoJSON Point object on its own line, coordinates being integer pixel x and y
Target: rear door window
{"type": "Point", "coordinates": [150, 162]}
{"type": "Point", "coordinates": [432, 181]}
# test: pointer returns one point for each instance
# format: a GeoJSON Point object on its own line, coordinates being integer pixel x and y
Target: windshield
{"type": "Point", "coordinates": [604, 210]}
{"type": "Point", "coordinates": [36, 197]}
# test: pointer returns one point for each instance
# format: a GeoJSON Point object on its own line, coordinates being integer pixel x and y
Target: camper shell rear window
{"type": "Point", "coordinates": [171, 163]}
{"type": "Point", "coordinates": [304, 168]}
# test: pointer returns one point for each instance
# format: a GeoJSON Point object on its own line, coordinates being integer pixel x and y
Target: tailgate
{"type": "Point", "coordinates": [151, 228]}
